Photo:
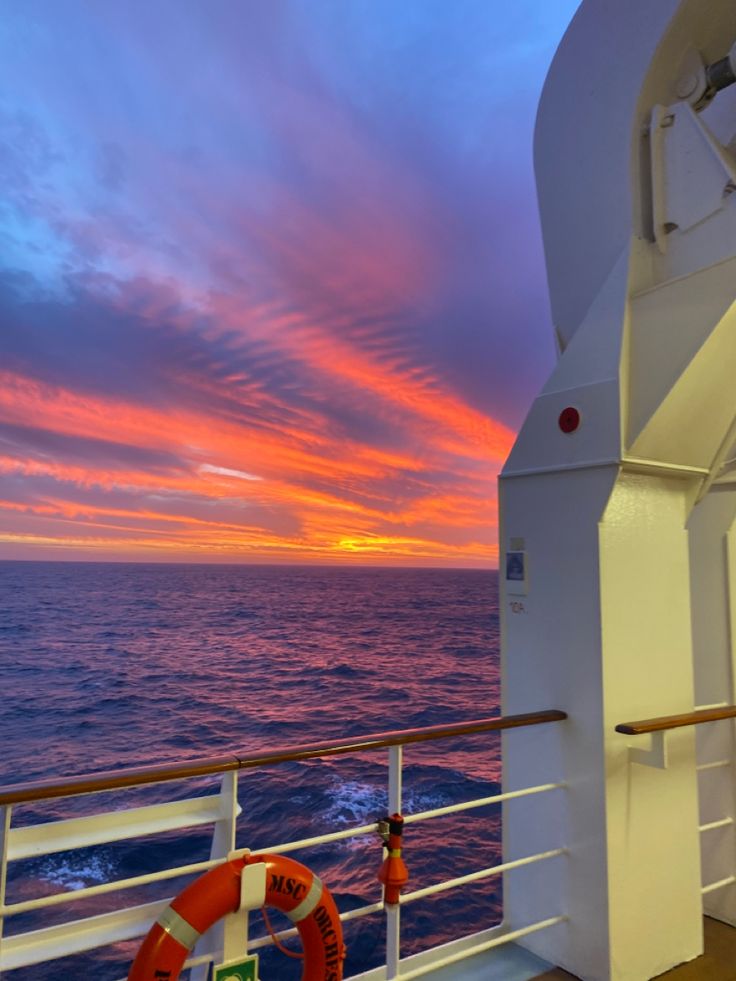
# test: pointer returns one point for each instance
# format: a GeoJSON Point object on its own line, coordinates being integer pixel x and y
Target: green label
{"type": "Point", "coordinates": [241, 969]}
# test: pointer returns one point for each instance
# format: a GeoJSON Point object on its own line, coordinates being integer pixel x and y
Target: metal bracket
{"type": "Point", "coordinates": [383, 831]}
{"type": "Point", "coordinates": [252, 896]}
{"type": "Point", "coordinates": [655, 756]}
{"type": "Point", "coordinates": [692, 173]}
{"type": "Point", "coordinates": [252, 881]}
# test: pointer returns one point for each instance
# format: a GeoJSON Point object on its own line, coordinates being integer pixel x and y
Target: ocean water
{"type": "Point", "coordinates": [112, 665]}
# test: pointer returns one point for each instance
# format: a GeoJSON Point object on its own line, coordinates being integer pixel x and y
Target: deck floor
{"type": "Point", "coordinates": [718, 963]}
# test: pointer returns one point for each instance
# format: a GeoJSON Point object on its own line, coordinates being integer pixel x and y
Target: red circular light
{"type": "Point", "coordinates": [569, 419]}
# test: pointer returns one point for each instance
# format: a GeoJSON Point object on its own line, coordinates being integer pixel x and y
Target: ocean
{"type": "Point", "coordinates": [113, 665]}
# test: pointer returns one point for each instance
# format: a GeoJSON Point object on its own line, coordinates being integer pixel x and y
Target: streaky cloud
{"type": "Point", "coordinates": [271, 286]}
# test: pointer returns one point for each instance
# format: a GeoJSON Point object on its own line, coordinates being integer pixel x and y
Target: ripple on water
{"type": "Point", "coordinates": [112, 665]}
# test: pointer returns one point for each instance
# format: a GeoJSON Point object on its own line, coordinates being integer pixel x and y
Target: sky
{"type": "Point", "coordinates": [271, 278]}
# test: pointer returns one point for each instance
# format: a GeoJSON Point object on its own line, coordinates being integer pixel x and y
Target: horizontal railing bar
{"type": "Point", "coordinates": [292, 846]}
{"type": "Point", "coordinates": [408, 819]}
{"type": "Point", "coordinates": [480, 948]}
{"type": "Point", "coordinates": [99, 829]}
{"type": "Point", "coordinates": [65, 939]}
{"type": "Point", "coordinates": [355, 914]}
{"type": "Point", "coordinates": [462, 880]}
{"type": "Point", "coordinates": [723, 823]}
{"type": "Point", "coordinates": [712, 766]}
{"type": "Point", "coordinates": [718, 885]}
{"type": "Point", "coordinates": [351, 914]}
{"type": "Point", "coordinates": [267, 941]}
{"type": "Point", "coordinates": [25, 793]}
{"type": "Point", "coordinates": [74, 895]}
{"type": "Point", "coordinates": [132, 777]}
{"type": "Point", "coordinates": [480, 802]}
{"type": "Point", "coordinates": [677, 721]}
{"type": "Point", "coordinates": [713, 705]}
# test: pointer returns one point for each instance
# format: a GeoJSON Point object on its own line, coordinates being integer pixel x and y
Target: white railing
{"type": "Point", "coordinates": [659, 728]}
{"type": "Point", "coordinates": [221, 811]}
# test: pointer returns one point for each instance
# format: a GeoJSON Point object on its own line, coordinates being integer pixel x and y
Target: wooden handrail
{"type": "Point", "coordinates": [677, 721]}
{"type": "Point", "coordinates": [132, 777]}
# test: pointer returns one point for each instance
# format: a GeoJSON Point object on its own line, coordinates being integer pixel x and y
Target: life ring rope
{"type": "Point", "coordinates": [297, 955]}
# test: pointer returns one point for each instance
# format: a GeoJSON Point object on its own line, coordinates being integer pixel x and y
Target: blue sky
{"type": "Point", "coordinates": [271, 280]}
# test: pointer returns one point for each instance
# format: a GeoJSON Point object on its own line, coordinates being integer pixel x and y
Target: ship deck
{"type": "Point", "coordinates": [718, 962]}
{"type": "Point", "coordinates": [512, 963]}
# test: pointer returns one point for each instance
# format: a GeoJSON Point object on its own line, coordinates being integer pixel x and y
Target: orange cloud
{"type": "Point", "coordinates": [303, 489]}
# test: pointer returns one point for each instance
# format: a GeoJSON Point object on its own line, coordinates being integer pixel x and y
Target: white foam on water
{"type": "Point", "coordinates": [354, 802]}
{"type": "Point", "coordinates": [77, 872]}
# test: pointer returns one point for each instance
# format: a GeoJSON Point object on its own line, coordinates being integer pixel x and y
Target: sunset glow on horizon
{"type": "Point", "coordinates": [271, 282]}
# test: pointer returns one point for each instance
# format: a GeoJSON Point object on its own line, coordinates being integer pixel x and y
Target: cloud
{"type": "Point", "coordinates": [44, 444]}
{"type": "Point", "coordinates": [227, 472]}
{"type": "Point", "coordinates": [265, 275]}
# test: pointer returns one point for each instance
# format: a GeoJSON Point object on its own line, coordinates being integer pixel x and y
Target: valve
{"type": "Point", "coordinates": [393, 872]}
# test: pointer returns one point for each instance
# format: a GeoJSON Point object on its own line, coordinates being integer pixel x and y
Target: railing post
{"type": "Point", "coordinates": [223, 842]}
{"type": "Point", "coordinates": [395, 763]}
{"type": "Point", "coordinates": [393, 913]}
{"type": "Point", "coordinates": [5, 815]}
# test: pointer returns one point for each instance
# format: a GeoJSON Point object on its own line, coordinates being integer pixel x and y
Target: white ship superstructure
{"type": "Point", "coordinates": [617, 499]}
{"type": "Point", "coordinates": [617, 553]}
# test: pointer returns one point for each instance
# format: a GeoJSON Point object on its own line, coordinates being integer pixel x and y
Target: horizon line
{"type": "Point", "coordinates": [272, 565]}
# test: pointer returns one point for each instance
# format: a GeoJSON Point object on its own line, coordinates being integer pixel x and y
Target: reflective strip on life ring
{"type": "Point", "coordinates": [290, 887]}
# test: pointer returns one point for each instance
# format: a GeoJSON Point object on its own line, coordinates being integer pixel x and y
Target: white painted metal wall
{"type": "Point", "coordinates": [712, 543]}
{"type": "Point", "coordinates": [621, 614]}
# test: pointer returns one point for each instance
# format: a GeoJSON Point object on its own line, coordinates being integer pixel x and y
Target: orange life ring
{"type": "Point", "coordinates": [290, 887]}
